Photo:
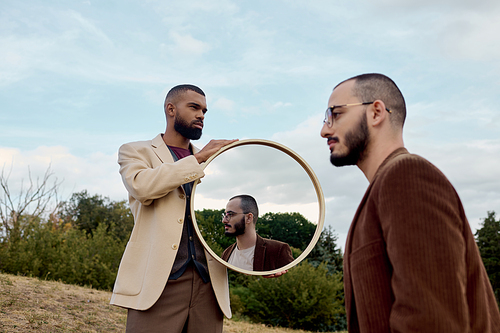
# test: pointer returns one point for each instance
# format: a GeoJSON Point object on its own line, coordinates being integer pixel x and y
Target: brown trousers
{"type": "Point", "coordinates": [187, 305]}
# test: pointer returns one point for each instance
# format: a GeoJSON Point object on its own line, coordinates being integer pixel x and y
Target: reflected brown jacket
{"type": "Point", "coordinates": [269, 254]}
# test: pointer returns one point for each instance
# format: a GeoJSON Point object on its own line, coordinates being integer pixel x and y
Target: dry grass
{"type": "Point", "coordinates": [32, 305]}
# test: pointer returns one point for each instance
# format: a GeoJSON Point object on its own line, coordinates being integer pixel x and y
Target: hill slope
{"type": "Point", "coordinates": [33, 305]}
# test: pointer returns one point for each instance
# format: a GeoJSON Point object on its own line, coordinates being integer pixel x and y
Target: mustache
{"type": "Point", "coordinates": [198, 122]}
{"type": "Point", "coordinates": [332, 139]}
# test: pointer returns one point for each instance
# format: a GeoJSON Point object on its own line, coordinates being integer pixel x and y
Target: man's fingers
{"type": "Point", "coordinates": [211, 148]}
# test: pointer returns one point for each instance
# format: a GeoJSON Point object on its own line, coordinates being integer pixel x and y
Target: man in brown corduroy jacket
{"type": "Point", "coordinates": [411, 263]}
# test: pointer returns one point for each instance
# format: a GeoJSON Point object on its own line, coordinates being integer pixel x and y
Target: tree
{"type": "Point", "coordinates": [87, 212]}
{"type": "Point", "coordinates": [326, 252]}
{"type": "Point", "coordinates": [32, 202]}
{"type": "Point", "coordinates": [291, 228]}
{"type": "Point", "coordinates": [212, 229]}
{"type": "Point", "coordinates": [488, 241]}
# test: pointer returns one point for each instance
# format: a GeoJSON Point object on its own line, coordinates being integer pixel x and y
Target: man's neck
{"type": "Point", "coordinates": [247, 240]}
{"type": "Point", "coordinates": [174, 139]}
{"type": "Point", "coordinates": [376, 156]}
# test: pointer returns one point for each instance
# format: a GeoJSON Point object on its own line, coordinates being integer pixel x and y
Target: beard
{"type": "Point", "coordinates": [239, 228]}
{"type": "Point", "coordinates": [356, 142]}
{"type": "Point", "coordinates": [184, 129]}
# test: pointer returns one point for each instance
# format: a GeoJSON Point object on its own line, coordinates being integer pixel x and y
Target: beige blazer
{"type": "Point", "coordinates": [158, 203]}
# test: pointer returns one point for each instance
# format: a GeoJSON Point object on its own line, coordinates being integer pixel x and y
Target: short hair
{"type": "Point", "coordinates": [248, 204]}
{"type": "Point", "coordinates": [177, 91]}
{"type": "Point", "coordinates": [373, 86]}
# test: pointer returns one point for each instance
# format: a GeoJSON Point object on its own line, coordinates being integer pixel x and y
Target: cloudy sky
{"type": "Point", "coordinates": [80, 78]}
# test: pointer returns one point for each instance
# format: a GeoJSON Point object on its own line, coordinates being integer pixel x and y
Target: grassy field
{"type": "Point", "coordinates": [33, 305]}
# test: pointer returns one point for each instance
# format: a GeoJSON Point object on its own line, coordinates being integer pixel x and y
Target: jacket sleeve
{"type": "Point", "coordinates": [423, 227]}
{"type": "Point", "coordinates": [146, 180]}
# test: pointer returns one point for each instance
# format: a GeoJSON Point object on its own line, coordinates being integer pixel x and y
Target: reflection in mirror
{"type": "Point", "coordinates": [251, 251]}
{"type": "Point", "coordinates": [286, 198]}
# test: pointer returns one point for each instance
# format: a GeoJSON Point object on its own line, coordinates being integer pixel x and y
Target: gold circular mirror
{"type": "Point", "coordinates": [289, 196]}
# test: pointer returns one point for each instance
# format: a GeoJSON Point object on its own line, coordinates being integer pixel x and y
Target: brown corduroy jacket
{"type": "Point", "coordinates": [411, 263]}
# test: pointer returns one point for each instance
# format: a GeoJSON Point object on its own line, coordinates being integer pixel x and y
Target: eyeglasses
{"type": "Point", "coordinates": [330, 116]}
{"type": "Point", "coordinates": [228, 215]}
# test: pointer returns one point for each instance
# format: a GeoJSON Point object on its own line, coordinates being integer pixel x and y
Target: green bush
{"type": "Point", "coordinates": [43, 250]}
{"type": "Point", "coordinates": [306, 297]}
{"type": "Point", "coordinates": [82, 243]}
{"type": "Point", "coordinates": [90, 260]}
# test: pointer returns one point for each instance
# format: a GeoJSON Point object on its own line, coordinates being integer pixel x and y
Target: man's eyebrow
{"type": "Point", "coordinates": [197, 105]}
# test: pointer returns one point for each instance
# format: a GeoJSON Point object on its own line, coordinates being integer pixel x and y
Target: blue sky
{"type": "Point", "coordinates": [80, 78]}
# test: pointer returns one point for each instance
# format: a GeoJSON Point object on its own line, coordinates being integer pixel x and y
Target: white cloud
{"type": "Point", "coordinates": [188, 45]}
{"type": "Point", "coordinates": [20, 57]}
{"type": "Point", "coordinates": [69, 44]}
{"type": "Point", "coordinates": [184, 11]}
{"type": "Point", "coordinates": [472, 168]}
{"type": "Point", "coordinates": [270, 175]}
{"type": "Point", "coordinates": [87, 27]}
{"type": "Point", "coordinates": [469, 35]}
{"type": "Point", "coordinates": [281, 105]}
{"type": "Point", "coordinates": [225, 105]}
{"type": "Point", "coordinates": [449, 5]}
{"type": "Point", "coordinates": [98, 173]}
{"type": "Point", "coordinates": [459, 30]}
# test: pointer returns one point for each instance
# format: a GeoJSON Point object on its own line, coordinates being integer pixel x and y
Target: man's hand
{"type": "Point", "coordinates": [275, 274]}
{"type": "Point", "coordinates": [211, 148]}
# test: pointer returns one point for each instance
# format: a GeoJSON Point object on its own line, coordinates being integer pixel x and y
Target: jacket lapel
{"type": "Point", "coordinates": [161, 149]}
{"type": "Point", "coordinates": [259, 254]}
{"type": "Point", "coordinates": [348, 292]}
{"type": "Point", "coordinates": [227, 253]}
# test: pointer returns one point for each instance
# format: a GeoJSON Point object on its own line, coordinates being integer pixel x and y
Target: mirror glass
{"type": "Point", "coordinates": [289, 206]}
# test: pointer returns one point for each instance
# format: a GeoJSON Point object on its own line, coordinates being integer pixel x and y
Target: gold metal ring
{"type": "Point", "coordinates": [312, 177]}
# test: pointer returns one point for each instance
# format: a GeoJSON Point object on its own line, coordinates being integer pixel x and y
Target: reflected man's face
{"type": "Point", "coordinates": [234, 220]}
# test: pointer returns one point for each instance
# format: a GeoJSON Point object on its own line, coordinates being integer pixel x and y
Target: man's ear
{"type": "Point", "coordinates": [377, 113]}
{"type": "Point", "coordinates": [249, 218]}
{"type": "Point", "coordinates": [170, 109]}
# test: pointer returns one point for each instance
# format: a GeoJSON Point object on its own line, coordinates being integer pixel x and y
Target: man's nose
{"type": "Point", "coordinates": [326, 131]}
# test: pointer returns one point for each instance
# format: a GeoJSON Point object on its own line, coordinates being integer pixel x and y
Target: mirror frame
{"type": "Point", "coordinates": [312, 177]}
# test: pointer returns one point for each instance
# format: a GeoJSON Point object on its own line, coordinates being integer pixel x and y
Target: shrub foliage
{"type": "Point", "coordinates": [57, 248]}
{"type": "Point", "coordinates": [488, 241]}
{"type": "Point", "coordinates": [82, 240]}
{"type": "Point", "coordinates": [306, 297]}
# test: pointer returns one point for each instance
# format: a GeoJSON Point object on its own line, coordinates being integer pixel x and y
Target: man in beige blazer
{"type": "Point", "coordinates": [166, 280]}
{"type": "Point", "coordinates": [411, 263]}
